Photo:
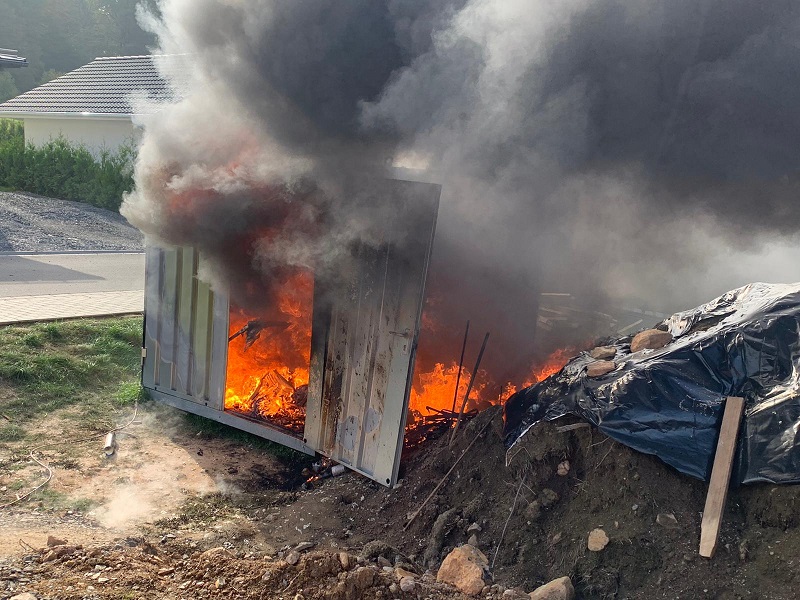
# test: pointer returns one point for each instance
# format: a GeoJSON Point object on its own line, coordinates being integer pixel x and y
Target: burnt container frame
{"type": "Point", "coordinates": [185, 351]}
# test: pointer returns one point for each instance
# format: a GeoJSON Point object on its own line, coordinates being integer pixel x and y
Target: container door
{"type": "Point", "coordinates": [364, 339]}
{"type": "Point", "coordinates": [185, 337]}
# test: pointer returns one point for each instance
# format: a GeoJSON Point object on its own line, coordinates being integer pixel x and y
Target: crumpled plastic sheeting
{"type": "Point", "coordinates": [669, 402]}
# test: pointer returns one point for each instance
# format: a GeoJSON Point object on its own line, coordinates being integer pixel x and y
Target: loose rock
{"type": "Point", "coordinates": [600, 368]}
{"type": "Point", "coordinates": [558, 589]}
{"type": "Point", "coordinates": [293, 557]}
{"type": "Point", "coordinates": [473, 540]}
{"type": "Point", "coordinates": [474, 528]}
{"type": "Point", "coordinates": [54, 541]}
{"type": "Point", "coordinates": [303, 546]}
{"type": "Point", "coordinates": [407, 584]}
{"type": "Point", "coordinates": [597, 541]}
{"type": "Point", "coordinates": [563, 468]}
{"type": "Point", "coordinates": [218, 552]}
{"type": "Point", "coordinates": [533, 511]}
{"type": "Point", "coordinates": [603, 352]}
{"type": "Point", "coordinates": [650, 339]}
{"type": "Point", "coordinates": [361, 578]}
{"type": "Point", "coordinates": [463, 568]}
{"type": "Point", "coordinates": [667, 520]}
{"type": "Point", "coordinates": [383, 561]}
{"type": "Point", "coordinates": [25, 596]}
{"type": "Point", "coordinates": [548, 497]}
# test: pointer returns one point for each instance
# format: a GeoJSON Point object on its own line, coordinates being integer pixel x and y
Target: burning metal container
{"type": "Point", "coordinates": [325, 367]}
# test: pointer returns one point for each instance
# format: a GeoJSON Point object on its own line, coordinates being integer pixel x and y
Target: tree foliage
{"type": "Point", "coordinates": [57, 36]}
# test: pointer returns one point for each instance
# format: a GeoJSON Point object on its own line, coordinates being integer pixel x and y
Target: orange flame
{"type": "Point", "coordinates": [268, 365]}
{"type": "Point", "coordinates": [268, 378]}
{"type": "Point", "coordinates": [552, 365]}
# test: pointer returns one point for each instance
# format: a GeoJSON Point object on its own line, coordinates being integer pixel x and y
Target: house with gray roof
{"type": "Point", "coordinates": [95, 104]}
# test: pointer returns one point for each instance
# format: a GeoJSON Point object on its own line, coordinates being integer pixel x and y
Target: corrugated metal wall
{"type": "Point", "coordinates": [356, 411]}
{"type": "Point", "coordinates": [364, 339]}
{"type": "Point", "coordinates": [186, 329]}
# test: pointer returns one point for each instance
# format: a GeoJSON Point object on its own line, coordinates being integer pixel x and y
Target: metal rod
{"type": "Point", "coordinates": [469, 388]}
{"type": "Point", "coordinates": [460, 365]}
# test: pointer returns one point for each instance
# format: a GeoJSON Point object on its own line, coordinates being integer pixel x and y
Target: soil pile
{"type": "Point", "coordinates": [572, 503]}
{"type": "Point", "coordinates": [536, 516]}
{"type": "Point", "coordinates": [134, 568]}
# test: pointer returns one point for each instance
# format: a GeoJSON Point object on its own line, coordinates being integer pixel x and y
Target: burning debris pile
{"type": "Point", "coordinates": [269, 356]}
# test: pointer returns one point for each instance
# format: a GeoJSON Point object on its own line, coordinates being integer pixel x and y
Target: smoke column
{"type": "Point", "coordinates": [615, 149]}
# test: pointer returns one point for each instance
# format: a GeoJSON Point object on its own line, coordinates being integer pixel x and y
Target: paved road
{"type": "Point", "coordinates": [44, 287]}
{"type": "Point", "coordinates": [73, 273]}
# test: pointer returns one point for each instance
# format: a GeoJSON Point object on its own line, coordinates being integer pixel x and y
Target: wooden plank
{"type": "Point", "coordinates": [720, 476]}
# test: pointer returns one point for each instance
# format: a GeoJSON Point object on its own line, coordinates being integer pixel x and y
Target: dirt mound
{"type": "Point", "coordinates": [535, 516]}
{"type": "Point", "coordinates": [532, 519]}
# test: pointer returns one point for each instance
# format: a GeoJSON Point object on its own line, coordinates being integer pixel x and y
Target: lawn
{"type": "Point", "coordinates": [89, 365]}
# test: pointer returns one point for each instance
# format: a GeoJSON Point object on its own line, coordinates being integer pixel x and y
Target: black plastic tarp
{"type": "Point", "coordinates": [669, 402]}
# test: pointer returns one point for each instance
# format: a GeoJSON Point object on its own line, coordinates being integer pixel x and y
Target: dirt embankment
{"type": "Point", "coordinates": [531, 518]}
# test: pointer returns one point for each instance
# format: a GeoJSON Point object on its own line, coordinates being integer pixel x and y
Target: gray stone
{"type": "Point", "coordinates": [407, 584]}
{"type": "Point", "coordinates": [667, 520]}
{"type": "Point", "coordinates": [293, 557]}
{"type": "Point", "coordinates": [303, 546]}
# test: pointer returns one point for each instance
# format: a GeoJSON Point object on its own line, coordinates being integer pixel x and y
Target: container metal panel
{"type": "Point", "coordinates": [186, 343]}
{"type": "Point", "coordinates": [180, 328]}
{"type": "Point", "coordinates": [363, 342]}
{"type": "Point", "coordinates": [357, 406]}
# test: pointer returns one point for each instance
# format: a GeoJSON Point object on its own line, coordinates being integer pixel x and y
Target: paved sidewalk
{"type": "Point", "coordinates": [24, 309]}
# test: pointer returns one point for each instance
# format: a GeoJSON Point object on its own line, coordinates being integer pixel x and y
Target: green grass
{"type": "Point", "coordinates": [90, 363]}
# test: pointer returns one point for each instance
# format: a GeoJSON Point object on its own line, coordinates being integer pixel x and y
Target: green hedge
{"type": "Point", "coordinates": [62, 170]}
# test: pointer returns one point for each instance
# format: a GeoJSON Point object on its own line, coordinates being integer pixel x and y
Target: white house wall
{"type": "Point", "coordinates": [93, 133]}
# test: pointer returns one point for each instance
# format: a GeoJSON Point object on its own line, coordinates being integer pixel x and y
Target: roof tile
{"type": "Point", "coordinates": [104, 86]}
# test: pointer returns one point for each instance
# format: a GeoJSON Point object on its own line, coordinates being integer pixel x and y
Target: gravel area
{"type": "Point", "coordinates": [30, 223]}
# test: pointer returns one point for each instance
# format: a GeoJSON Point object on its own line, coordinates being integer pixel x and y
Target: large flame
{"type": "Point", "coordinates": [434, 390]}
{"type": "Point", "coordinates": [269, 357]}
